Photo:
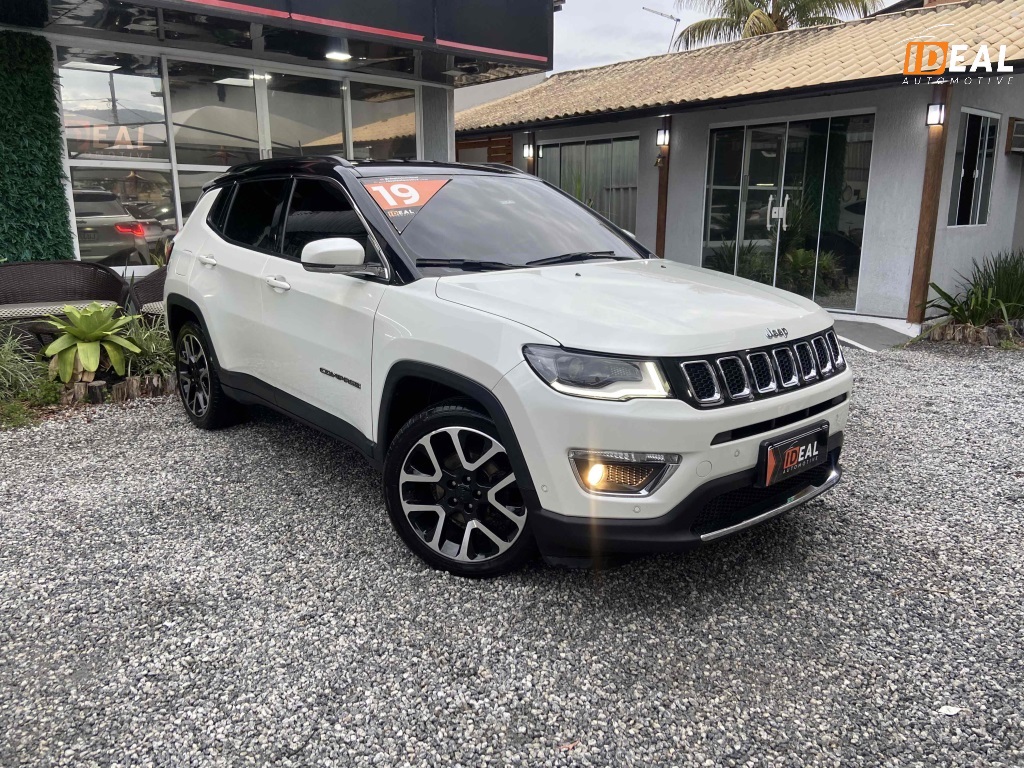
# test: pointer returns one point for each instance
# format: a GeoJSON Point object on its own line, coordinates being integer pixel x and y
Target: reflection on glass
{"type": "Point", "coordinates": [201, 29]}
{"type": "Point", "coordinates": [214, 114]}
{"type": "Point", "coordinates": [973, 167]}
{"type": "Point", "coordinates": [722, 204]}
{"type": "Point", "coordinates": [113, 105]}
{"type": "Point", "coordinates": [383, 122]}
{"type": "Point", "coordinates": [342, 52]}
{"type": "Point", "coordinates": [798, 238]}
{"type": "Point", "coordinates": [190, 186]}
{"type": "Point", "coordinates": [124, 216]}
{"type": "Point", "coordinates": [306, 116]}
{"type": "Point", "coordinates": [112, 16]}
{"type": "Point", "coordinates": [842, 211]}
{"type": "Point", "coordinates": [549, 161]}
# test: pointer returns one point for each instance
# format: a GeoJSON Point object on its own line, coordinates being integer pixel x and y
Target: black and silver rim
{"type": "Point", "coordinates": [460, 496]}
{"type": "Point", "coordinates": [193, 375]}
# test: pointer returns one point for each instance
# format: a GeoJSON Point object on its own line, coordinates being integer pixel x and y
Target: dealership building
{"type": "Point", "coordinates": [155, 99]}
{"type": "Point", "coordinates": [806, 159]}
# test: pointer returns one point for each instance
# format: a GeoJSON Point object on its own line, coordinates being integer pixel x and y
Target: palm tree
{"type": "Point", "coordinates": [735, 19]}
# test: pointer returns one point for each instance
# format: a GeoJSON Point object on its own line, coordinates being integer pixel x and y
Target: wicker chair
{"type": "Point", "coordinates": [147, 294]}
{"type": "Point", "coordinates": [34, 289]}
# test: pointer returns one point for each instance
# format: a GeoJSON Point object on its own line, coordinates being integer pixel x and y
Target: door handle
{"type": "Point", "coordinates": [771, 199]}
{"type": "Point", "coordinates": [278, 283]}
{"type": "Point", "coordinates": [207, 260]}
{"type": "Point", "coordinates": [785, 214]}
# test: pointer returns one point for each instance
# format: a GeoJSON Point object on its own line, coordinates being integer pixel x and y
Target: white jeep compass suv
{"type": "Point", "coordinates": [521, 371]}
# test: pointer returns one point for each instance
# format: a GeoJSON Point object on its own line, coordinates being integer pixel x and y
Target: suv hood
{"type": "Point", "coordinates": [654, 307]}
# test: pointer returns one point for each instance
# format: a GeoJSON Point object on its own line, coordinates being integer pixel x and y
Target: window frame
{"type": "Point", "coordinates": [956, 184]}
{"type": "Point", "coordinates": [371, 236]}
{"type": "Point", "coordinates": [222, 232]}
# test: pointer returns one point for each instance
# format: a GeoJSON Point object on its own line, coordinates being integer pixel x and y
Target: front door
{"type": "Point", "coordinates": [320, 324]}
{"type": "Point", "coordinates": [785, 205]}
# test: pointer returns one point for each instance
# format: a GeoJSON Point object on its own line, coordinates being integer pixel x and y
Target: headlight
{"type": "Point", "coordinates": [596, 376]}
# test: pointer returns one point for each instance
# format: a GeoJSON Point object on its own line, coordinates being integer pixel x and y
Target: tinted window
{"type": "Point", "coordinates": [98, 205]}
{"type": "Point", "coordinates": [320, 210]}
{"type": "Point", "coordinates": [255, 216]}
{"type": "Point", "coordinates": [220, 207]}
{"type": "Point", "coordinates": [508, 219]}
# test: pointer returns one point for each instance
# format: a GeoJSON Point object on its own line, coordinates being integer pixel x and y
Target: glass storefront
{"type": "Point", "coordinates": [146, 133]}
{"type": "Point", "coordinates": [602, 174]}
{"type": "Point", "coordinates": [785, 204]}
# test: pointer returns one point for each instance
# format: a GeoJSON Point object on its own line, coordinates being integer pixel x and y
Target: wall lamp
{"type": "Point", "coordinates": [663, 137]}
{"type": "Point", "coordinates": [528, 151]}
{"type": "Point", "coordinates": [936, 114]}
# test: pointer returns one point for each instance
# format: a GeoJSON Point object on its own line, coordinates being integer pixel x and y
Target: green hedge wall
{"type": "Point", "coordinates": [34, 220]}
{"type": "Point", "coordinates": [23, 13]}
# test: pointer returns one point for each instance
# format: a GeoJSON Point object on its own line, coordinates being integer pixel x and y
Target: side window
{"type": "Point", "coordinates": [320, 210]}
{"type": "Point", "coordinates": [220, 207]}
{"type": "Point", "coordinates": [256, 211]}
{"type": "Point", "coordinates": [972, 170]}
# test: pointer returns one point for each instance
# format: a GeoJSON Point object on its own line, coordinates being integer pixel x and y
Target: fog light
{"type": "Point", "coordinates": [622, 473]}
{"type": "Point", "coordinates": [595, 475]}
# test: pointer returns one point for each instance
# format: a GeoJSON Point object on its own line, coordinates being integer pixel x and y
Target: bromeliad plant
{"type": "Point", "coordinates": [92, 338]}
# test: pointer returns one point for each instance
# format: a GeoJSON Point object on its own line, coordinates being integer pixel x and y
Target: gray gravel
{"type": "Point", "coordinates": [173, 597]}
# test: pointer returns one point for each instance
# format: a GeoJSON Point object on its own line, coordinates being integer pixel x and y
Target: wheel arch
{"type": "Point", "coordinates": [448, 384]}
{"type": "Point", "coordinates": [179, 311]}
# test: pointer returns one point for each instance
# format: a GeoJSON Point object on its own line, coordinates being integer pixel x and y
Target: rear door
{"type": "Point", "coordinates": [226, 278]}
{"type": "Point", "coordinates": [320, 324]}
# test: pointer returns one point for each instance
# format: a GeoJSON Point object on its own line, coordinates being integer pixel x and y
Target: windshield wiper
{"type": "Point", "coordinates": [467, 265]}
{"type": "Point", "coordinates": [567, 258]}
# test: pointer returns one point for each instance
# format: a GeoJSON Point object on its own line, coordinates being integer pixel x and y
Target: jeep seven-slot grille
{"type": "Point", "coordinates": [740, 377]}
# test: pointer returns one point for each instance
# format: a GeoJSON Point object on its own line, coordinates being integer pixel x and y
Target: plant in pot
{"type": "Point", "coordinates": [91, 339]}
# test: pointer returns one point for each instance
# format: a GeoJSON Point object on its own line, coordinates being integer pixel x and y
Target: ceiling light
{"type": "Point", "coordinates": [88, 66]}
{"type": "Point", "coordinates": [338, 50]}
{"type": "Point", "coordinates": [244, 82]}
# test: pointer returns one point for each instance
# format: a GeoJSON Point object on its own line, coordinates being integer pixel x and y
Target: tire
{"type": "Point", "coordinates": [458, 508]}
{"type": "Point", "coordinates": [206, 405]}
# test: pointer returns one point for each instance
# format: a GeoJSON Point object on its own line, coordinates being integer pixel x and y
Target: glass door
{"type": "Point", "coordinates": [785, 205]}
{"type": "Point", "coordinates": [762, 203]}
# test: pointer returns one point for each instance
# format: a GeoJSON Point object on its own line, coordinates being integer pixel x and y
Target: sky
{"type": "Point", "coordinates": [593, 32]}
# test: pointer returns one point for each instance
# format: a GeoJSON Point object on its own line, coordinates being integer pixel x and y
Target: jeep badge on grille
{"type": "Point", "coordinates": [777, 333]}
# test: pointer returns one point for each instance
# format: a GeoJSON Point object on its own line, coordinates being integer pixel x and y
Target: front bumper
{"type": "Point", "coordinates": [719, 508]}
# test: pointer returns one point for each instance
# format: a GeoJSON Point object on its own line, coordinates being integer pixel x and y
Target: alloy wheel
{"type": "Point", "coordinates": [194, 375]}
{"type": "Point", "coordinates": [459, 494]}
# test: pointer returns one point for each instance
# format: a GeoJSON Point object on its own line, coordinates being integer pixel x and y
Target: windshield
{"type": "Point", "coordinates": [97, 205]}
{"type": "Point", "coordinates": [506, 221]}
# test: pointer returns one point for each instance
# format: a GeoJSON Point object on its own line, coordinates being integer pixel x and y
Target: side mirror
{"type": "Point", "coordinates": [333, 252]}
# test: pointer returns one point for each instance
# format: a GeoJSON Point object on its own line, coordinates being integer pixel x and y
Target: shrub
{"type": "Point", "coordinates": [156, 354]}
{"type": "Point", "coordinates": [977, 306]}
{"type": "Point", "coordinates": [1003, 275]}
{"type": "Point", "coordinates": [90, 338]}
{"type": "Point", "coordinates": [18, 371]}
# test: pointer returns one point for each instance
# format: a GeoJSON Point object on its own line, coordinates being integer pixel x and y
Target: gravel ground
{"type": "Point", "coordinates": [173, 597]}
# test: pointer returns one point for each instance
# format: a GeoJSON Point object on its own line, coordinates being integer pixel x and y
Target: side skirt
{"type": "Point", "coordinates": [252, 391]}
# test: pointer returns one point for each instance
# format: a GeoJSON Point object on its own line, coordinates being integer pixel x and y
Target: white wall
{"type": "Point", "coordinates": [647, 177]}
{"type": "Point", "coordinates": [894, 185]}
{"type": "Point", "coordinates": [957, 247]}
{"type": "Point", "coordinates": [1018, 232]}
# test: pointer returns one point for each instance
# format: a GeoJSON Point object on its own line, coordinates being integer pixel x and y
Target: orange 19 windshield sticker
{"type": "Point", "coordinates": [402, 198]}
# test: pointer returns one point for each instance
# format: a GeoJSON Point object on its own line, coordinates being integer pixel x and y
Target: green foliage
{"type": "Point", "coordinates": [14, 414]}
{"type": "Point", "coordinates": [90, 338]}
{"type": "Point", "coordinates": [34, 219]}
{"type": "Point", "coordinates": [17, 369]}
{"type": "Point", "coordinates": [735, 19]}
{"type": "Point", "coordinates": [156, 354]}
{"type": "Point", "coordinates": [756, 264]}
{"type": "Point", "coordinates": [796, 271]}
{"type": "Point", "coordinates": [977, 306]}
{"type": "Point", "coordinates": [1003, 274]}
